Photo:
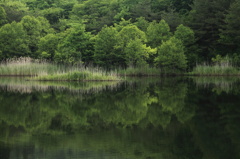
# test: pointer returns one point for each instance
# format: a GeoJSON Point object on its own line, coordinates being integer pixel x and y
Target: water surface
{"type": "Point", "coordinates": [173, 118]}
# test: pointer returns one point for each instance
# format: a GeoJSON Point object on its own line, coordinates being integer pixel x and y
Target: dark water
{"type": "Point", "coordinates": [167, 118]}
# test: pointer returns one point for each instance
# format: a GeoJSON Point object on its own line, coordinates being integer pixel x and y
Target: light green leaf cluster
{"type": "Point", "coordinates": [158, 33]}
{"type": "Point", "coordinates": [171, 55]}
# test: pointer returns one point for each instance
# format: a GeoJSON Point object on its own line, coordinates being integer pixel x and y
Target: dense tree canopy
{"type": "Point", "coordinates": [118, 33]}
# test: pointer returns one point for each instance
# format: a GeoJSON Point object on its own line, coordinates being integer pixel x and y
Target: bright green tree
{"type": "Point", "coordinates": [131, 45]}
{"type": "Point", "coordinates": [158, 33]}
{"type": "Point", "coordinates": [137, 53]}
{"type": "Point", "coordinates": [76, 46]}
{"type": "Point", "coordinates": [105, 53]}
{"type": "Point", "coordinates": [35, 29]}
{"type": "Point", "coordinates": [171, 55]}
{"type": "Point", "coordinates": [13, 41]}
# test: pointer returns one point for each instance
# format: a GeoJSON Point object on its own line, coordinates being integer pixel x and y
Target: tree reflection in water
{"type": "Point", "coordinates": [171, 118]}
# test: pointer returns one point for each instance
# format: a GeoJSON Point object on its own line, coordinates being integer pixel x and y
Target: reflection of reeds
{"type": "Point", "coordinates": [19, 85]}
{"type": "Point", "coordinates": [222, 83]}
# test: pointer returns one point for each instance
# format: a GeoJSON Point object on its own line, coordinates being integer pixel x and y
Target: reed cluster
{"type": "Point", "coordinates": [81, 75]}
{"type": "Point", "coordinates": [148, 71]}
{"type": "Point", "coordinates": [44, 70]}
{"type": "Point", "coordinates": [215, 70]}
{"type": "Point", "coordinates": [26, 66]}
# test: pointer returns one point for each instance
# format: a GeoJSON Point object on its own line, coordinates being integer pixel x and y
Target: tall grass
{"type": "Point", "coordinates": [147, 71]}
{"type": "Point", "coordinates": [220, 69]}
{"type": "Point", "coordinates": [79, 75]}
{"type": "Point", "coordinates": [26, 66]}
{"type": "Point", "coordinates": [48, 71]}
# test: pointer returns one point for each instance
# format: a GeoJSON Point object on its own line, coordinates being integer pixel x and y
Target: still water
{"type": "Point", "coordinates": [163, 118]}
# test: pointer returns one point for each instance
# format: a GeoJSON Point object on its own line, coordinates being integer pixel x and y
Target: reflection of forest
{"type": "Point", "coordinates": [170, 118]}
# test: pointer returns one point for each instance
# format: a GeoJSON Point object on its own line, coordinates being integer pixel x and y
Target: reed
{"type": "Point", "coordinates": [48, 71]}
{"type": "Point", "coordinates": [26, 66]}
{"type": "Point", "coordinates": [81, 75]}
{"type": "Point", "coordinates": [215, 70]}
{"type": "Point", "coordinates": [148, 71]}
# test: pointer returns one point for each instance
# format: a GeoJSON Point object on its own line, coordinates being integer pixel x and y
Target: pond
{"type": "Point", "coordinates": [148, 118]}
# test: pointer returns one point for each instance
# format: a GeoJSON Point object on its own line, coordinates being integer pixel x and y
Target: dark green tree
{"type": "Point", "coordinates": [3, 16]}
{"type": "Point", "coordinates": [206, 19]}
{"type": "Point", "coordinates": [230, 34]}
{"type": "Point", "coordinates": [47, 46]}
{"type": "Point", "coordinates": [96, 13]}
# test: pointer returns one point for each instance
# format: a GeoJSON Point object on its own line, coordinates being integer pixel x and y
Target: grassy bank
{"type": "Point", "coordinates": [147, 71]}
{"type": "Point", "coordinates": [81, 75]}
{"type": "Point", "coordinates": [52, 72]}
{"type": "Point", "coordinates": [42, 70]}
{"type": "Point", "coordinates": [29, 67]}
{"type": "Point", "coordinates": [215, 70]}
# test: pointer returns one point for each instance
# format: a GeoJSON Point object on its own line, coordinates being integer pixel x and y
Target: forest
{"type": "Point", "coordinates": [175, 34]}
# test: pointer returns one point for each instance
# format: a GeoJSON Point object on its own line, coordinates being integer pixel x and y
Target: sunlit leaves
{"type": "Point", "coordinates": [171, 55]}
{"type": "Point", "coordinates": [157, 33]}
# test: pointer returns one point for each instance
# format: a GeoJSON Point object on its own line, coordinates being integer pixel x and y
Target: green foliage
{"type": "Point", "coordinates": [137, 53]}
{"type": "Point", "coordinates": [131, 45]}
{"type": "Point", "coordinates": [48, 45]}
{"type": "Point", "coordinates": [82, 75]}
{"type": "Point", "coordinates": [35, 29]}
{"type": "Point", "coordinates": [185, 34]}
{"type": "Point", "coordinates": [52, 14]}
{"type": "Point", "coordinates": [142, 24]}
{"type": "Point", "coordinates": [13, 41]}
{"type": "Point", "coordinates": [182, 6]}
{"type": "Point", "coordinates": [129, 33]}
{"type": "Point", "coordinates": [96, 13]}
{"type": "Point", "coordinates": [3, 16]}
{"type": "Point", "coordinates": [210, 28]}
{"type": "Point", "coordinates": [206, 19]}
{"type": "Point", "coordinates": [230, 34]}
{"type": "Point", "coordinates": [219, 60]}
{"type": "Point", "coordinates": [157, 33]}
{"type": "Point", "coordinates": [173, 18]}
{"type": "Point", "coordinates": [104, 48]}
{"type": "Point", "coordinates": [15, 10]}
{"type": "Point", "coordinates": [75, 47]}
{"type": "Point", "coordinates": [171, 55]}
